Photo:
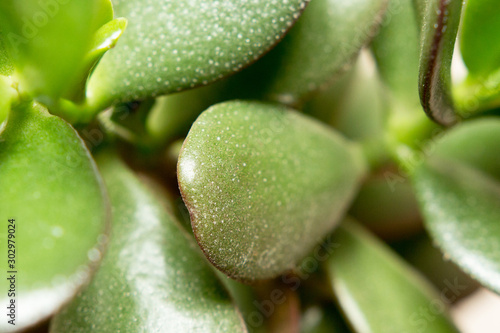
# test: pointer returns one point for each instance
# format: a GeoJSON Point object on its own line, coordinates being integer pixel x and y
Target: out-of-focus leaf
{"type": "Point", "coordinates": [48, 41]}
{"type": "Point", "coordinates": [153, 277]}
{"type": "Point", "coordinates": [386, 207]}
{"type": "Point", "coordinates": [480, 37]}
{"type": "Point", "coordinates": [6, 67]}
{"type": "Point", "coordinates": [263, 184]}
{"type": "Point", "coordinates": [377, 291]}
{"type": "Point", "coordinates": [171, 45]}
{"type": "Point", "coordinates": [325, 40]}
{"type": "Point", "coordinates": [397, 49]}
{"type": "Point", "coordinates": [439, 30]}
{"type": "Point", "coordinates": [51, 187]}
{"type": "Point", "coordinates": [459, 192]}
{"type": "Point", "coordinates": [7, 93]}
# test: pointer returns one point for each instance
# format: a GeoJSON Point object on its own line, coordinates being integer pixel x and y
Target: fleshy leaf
{"type": "Point", "coordinates": [459, 192]}
{"type": "Point", "coordinates": [171, 45]}
{"type": "Point", "coordinates": [325, 41]}
{"type": "Point", "coordinates": [6, 67]}
{"type": "Point", "coordinates": [439, 30]}
{"type": "Point", "coordinates": [153, 278]}
{"type": "Point", "coordinates": [377, 291]}
{"type": "Point", "coordinates": [481, 89]}
{"type": "Point", "coordinates": [480, 37]}
{"type": "Point", "coordinates": [396, 48]}
{"type": "Point", "coordinates": [48, 41]}
{"type": "Point", "coordinates": [51, 187]}
{"type": "Point", "coordinates": [263, 184]}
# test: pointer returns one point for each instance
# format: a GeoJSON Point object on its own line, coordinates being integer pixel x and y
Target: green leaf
{"type": "Point", "coordinates": [396, 48]}
{"type": "Point", "coordinates": [475, 143]}
{"type": "Point", "coordinates": [325, 40]}
{"type": "Point", "coordinates": [153, 278]}
{"type": "Point", "coordinates": [6, 67]}
{"type": "Point", "coordinates": [171, 45]}
{"type": "Point", "coordinates": [263, 184]}
{"type": "Point", "coordinates": [479, 45]}
{"type": "Point", "coordinates": [459, 193]}
{"type": "Point", "coordinates": [439, 30]}
{"type": "Point", "coordinates": [480, 38]}
{"type": "Point", "coordinates": [51, 187]}
{"type": "Point", "coordinates": [377, 291]}
{"type": "Point", "coordinates": [387, 205]}
{"type": "Point", "coordinates": [48, 41]}
{"type": "Point", "coordinates": [7, 94]}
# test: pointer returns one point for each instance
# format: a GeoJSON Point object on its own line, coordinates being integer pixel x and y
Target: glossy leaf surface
{"type": "Point", "coordinates": [377, 291]}
{"type": "Point", "coordinates": [263, 184]}
{"type": "Point", "coordinates": [153, 278]}
{"type": "Point", "coordinates": [171, 45]}
{"type": "Point", "coordinates": [325, 41]}
{"type": "Point", "coordinates": [48, 41]}
{"type": "Point", "coordinates": [459, 192]}
{"type": "Point", "coordinates": [439, 31]}
{"type": "Point", "coordinates": [52, 189]}
{"type": "Point", "coordinates": [480, 38]}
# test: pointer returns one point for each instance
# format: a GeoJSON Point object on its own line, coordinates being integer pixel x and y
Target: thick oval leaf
{"type": "Point", "coordinates": [378, 292]}
{"type": "Point", "coordinates": [439, 31]}
{"type": "Point", "coordinates": [475, 143]}
{"type": "Point", "coordinates": [171, 45]}
{"type": "Point", "coordinates": [396, 48]}
{"type": "Point", "coordinates": [325, 40]}
{"type": "Point", "coordinates": [52, 189]}
{"type": "Point", "coordinates": [480, 38]}
{"type": "Point", "coordinates": [459, 192]}
{"type": "Point", "coordinates": [263, 184]}
{"type": "Point", "coordinates": [153, 277]}
{"type": "Point", "coordinates": [48, 42]}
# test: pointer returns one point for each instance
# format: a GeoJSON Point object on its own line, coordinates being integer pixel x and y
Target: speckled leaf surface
{"type": "Point", "coordinates": [153, 278]}
{"type": "Point", "coordinates": [48, 41]}
{"type": "Point", "coordinates": [459, 193]}
{"type": "Point", "coordinates": [377, 291]}
{"type": "Point", "coordinates": [439, 30]}
{"type": "Point", "coordinates": [325, 40]}
{"type": "Point", "coordinates": [480, 38]}
{"type": "Point", "coordinates": [171, 45]}
{"type": "Point", "coordinates": [263, 184]}
{"type": "Point", "coordinates": [52, 189]}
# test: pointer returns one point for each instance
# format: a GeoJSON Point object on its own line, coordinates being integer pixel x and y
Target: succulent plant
{"type": "Point", "coordinates": [247, 165]}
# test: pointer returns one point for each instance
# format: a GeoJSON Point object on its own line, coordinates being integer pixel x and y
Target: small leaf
{"type": "Point", "coordinates": [480, 38]}
{"type": "Point", "coordinates": [171, 45]}
{"type": "Point", "coordinates": [51, 187]}
{"type": "Point", "coordinates": [263, 184]}
{"type": "Point", "coordinates": [48, 41]}
{"type": "Point", "coordinates": [377, 291]}
{"type": "Point", "coordinates": [459, 192]}
{"type": "Point", "coordinates": [439, 31]}
{"type": "Point", "coordinates": [325, 40]}
{"type": "Point", "coordinates": [152, 278]}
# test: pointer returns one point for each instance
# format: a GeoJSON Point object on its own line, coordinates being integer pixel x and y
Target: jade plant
{"type": "Point", "coordinates": [247, 166]}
